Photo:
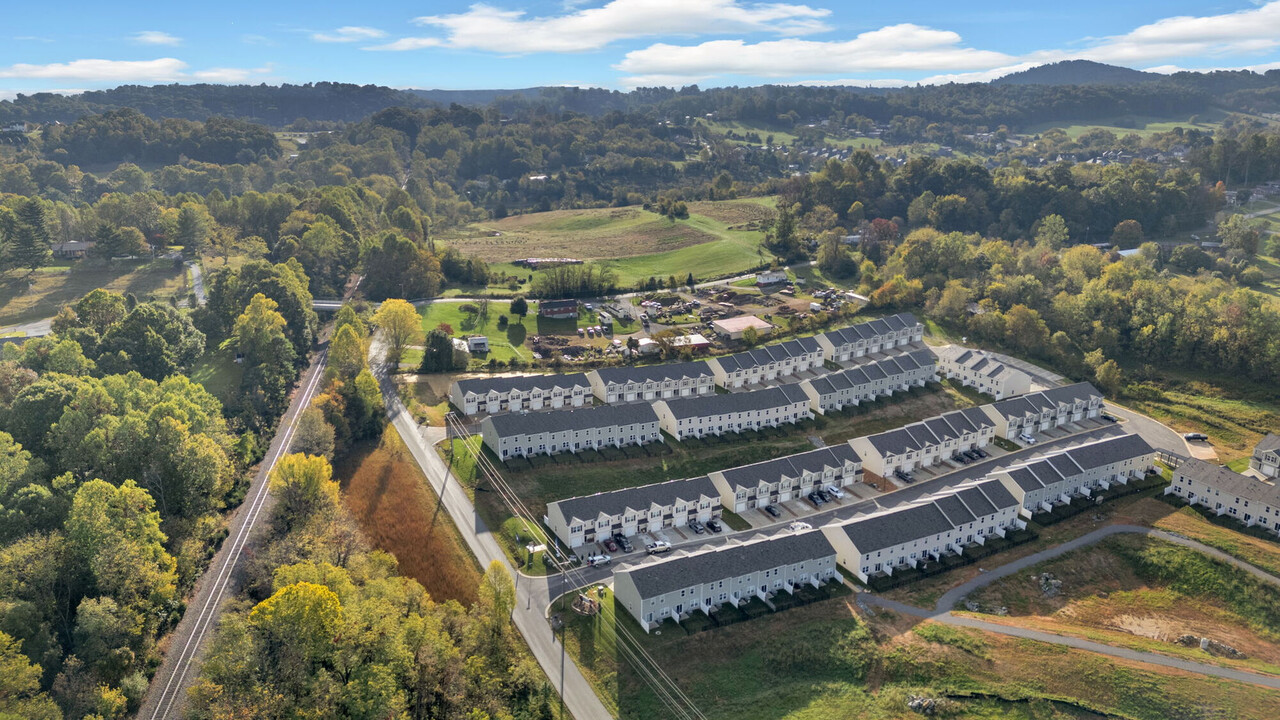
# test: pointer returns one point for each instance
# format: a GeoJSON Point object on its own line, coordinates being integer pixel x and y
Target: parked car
{"type": "Point", "coordinates": [1027, 439]}
{"type": "Point", "coordinates": [904, 476]}
{"type": "Point", "coordinates": [981, 453]}
{"type": "Point", "coordinates": [816, 499]}
{"type": "Point", "coordinates": [1109, 417]}
{"type": "Point", "coordinates": [714, 526]}
{"type": "Point", "coordinates": [772, 510]}
{"type": "Point", "coordinates": [1195, 436]}
{"type": "Point", "coordinates": [971, 454]}
{"type": "Point", "coordinates": [960, 458]}
{"type": "Point", "coordinates": [595, 560]}
{"type": "Point", "coordinates": [696, 527]}
{"type": "Point", "coordinates": [623, 542]}
{"type": "Point", "coordinates": [610, 545]}
{"type": "Point", "coordinates": [657, 547]}
{"type": "Point", "coordinates": [835, 491]}
{"type": "Point", "coordinates": [797, 526]}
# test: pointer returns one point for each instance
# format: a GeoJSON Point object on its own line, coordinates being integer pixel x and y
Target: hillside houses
{"type": "Point", "coordinates": [835, 391]}
{"type": "Point", "coordinates": [515, 435]}
{"type": "Point", "coordinates": [494, 395]}
{"type": "Point", "coordinates": [905, 536]}
{"type": "Point", "coordinates": [924, 443]}
{"type": "Point", "coordinates": [1266, 456]}
{"type": "Point", "coordinates": [874, 336]}
{"type": "Point", "coordinates": [730, 574]}
{"type": "Point", "coordinates": [717, 414]}
{"type": "Point", "coordinates": [1249, 500]}
{"type": "Point", "coordinates": [767, 363]}
{"type": "Point", "coordinates": [982, 372]}
{"type": "Point", "coordinates": [1036, 412]}
{"type": "Point", "coordinates": [651, 382]}
{"type": "Point", "coordinates": [1039, 484]}
{"type": "Point", "coordinates": [786, 478]}
{"type": "Point", "coordinates": [592, 518]}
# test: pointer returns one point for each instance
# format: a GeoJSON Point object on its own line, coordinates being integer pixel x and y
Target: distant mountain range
{"type": "Point", "coordinates": [1079, 72]}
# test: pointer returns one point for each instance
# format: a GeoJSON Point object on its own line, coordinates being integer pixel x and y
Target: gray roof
{"type": "Point", "coordinates": [532, 423]}
{"type": "Point", "coordinates": [768, 354]}
{"type": "Point", "coordinates": [1232, 483]}
{"type": "Point", "coordinates": [727, 562]}
{"type": "Point", "coordinates": [870, 372]}
{"type": "Point", "coordinates": [721, 403]}
{"type": "Point", "coordinates": [640, 498]}
{"type": "Point", "coordinates": [1054, 468]}
{"type": "Point", "coordinates": [655, 373]}
{"type": "Point", "coordinates": [933, 431]}
{"type": "Point", "coordinates": [1036, 402]}
{"type": "Point", "coordinates": [1270, 443]}
{"type": "Point", "coordinates": [955, 509]}
{"type": "Point", "coordinates": [523, 383]}
{"type": "Point", "coordinates": [896, 526]}
{"type": "Point", "coordinates": [812, 461]}
{"type": "Point", "coordinates": [870, 329]}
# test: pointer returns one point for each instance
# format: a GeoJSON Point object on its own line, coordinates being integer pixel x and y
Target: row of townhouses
{"type": "Point", "coordinates": [513, 435]}
{"type": "Point", "coordinates": [1039, 411]}
{"type": "Point", "coordinates": [1055, 478]}
{"type": "Point", "coordinates": [875, 336]}
{"type": "Point", "coordinates": [766, 363]}
{"type": "Point", "coordinates": [847, 388]}
{"type": "Point", "coordinates": [582, 520]}
{"type": "Point", "coordinates": [1266, 456]}
{"type": "Point", "coordinates": [720, 413]}
{"type": "Point", "coordinates": [651, 382]}
{"type": "Point", "coordinates": [924, 443]}
{"type": "Point", "coordinates": [1249, 500]}
{"type": "Point", "coordinates": [981, 371]}
{"type": "Point", "coordinates": [730, 574]}
{"type": "Point", "coordinates": [904, 536]}
{"type": "Point", "coordinates": [785, 478]}
{"type": "Point", "coordinates": [494, 395]}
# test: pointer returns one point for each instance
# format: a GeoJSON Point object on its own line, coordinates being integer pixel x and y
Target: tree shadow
{"type": "Point", "coordinates": [516, 333]}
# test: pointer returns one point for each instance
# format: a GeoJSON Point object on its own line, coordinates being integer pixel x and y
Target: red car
{"type": "Point", "coordinates": [611, 546]}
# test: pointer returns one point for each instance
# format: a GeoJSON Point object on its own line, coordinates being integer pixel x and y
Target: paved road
{"type": "Point", "coordinates": [167, 695]}
{"type": "Point", "coordinates": [941, 612]}
{"type": "Point", "coordinates": [35, 328]}
{"type": "Point", "coordinates": [532, 595]}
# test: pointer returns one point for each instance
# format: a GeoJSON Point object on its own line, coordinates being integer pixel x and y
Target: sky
{"type": "Point", "coordinates": [622, 44]}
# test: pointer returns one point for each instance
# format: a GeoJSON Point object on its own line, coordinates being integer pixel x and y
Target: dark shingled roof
{"type": "Point", "coordinates": [1232, 483]}
{"type": "Point", "coordinates": [727, 562]}
{"type": "Point", "coordinates": [897, 526]}
{"type": "Point", "coordinates": [533, 423]}
{"type": "Point", "coordinates": [796, 465]}
{"type": "Point", "coordinates": [1270, 443]}
{"type": "Point", "coordinates": [524, 383]}
{"type": "Point", "coordinates": [870, 329]}
{"type": "Point", "coordinates": [955, 509]}
{"type": "Point", "coordinates": [768, 354]}
{"type": "Point", "coordinates": [1036, 402]}
{"type": "Point", "coordinates": [1056, 467]}
{"type": "Point", "coordinates": [589, 507]}
{"type": "Point", "coordinates": [929, 432]}
{"type": "Point", "coordinates": [869, 372]}
{"type": "Point", "coordinates": [721, 403]}
{"type": "Point", "coordinates": [655, 373]}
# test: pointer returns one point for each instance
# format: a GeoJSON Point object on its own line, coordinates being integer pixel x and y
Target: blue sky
{"type": "Point", "coordinates": [619, 44]}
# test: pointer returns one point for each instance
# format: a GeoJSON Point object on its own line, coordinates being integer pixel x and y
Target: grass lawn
{"type": "Point", "coordinates": [218, 371]}
{"type": "Point", "coordinates": [1143, 126]}
{"type": "Point", "coordinates": [781, 137]}
{"type": "Point", "coordinates": [430, 398]}
{"type": "Point", "coordinates": [1185, 521]}
{"type": "Point", "coordinates": [398, 511]}
{"type": "Point", "coordinates": [504, 344]}
{"type": "Point", "coordinates": [54, 286]}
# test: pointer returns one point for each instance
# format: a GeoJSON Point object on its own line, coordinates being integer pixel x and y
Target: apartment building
{"type": "Point", "coordinates": [729, 574]}
{"type": "Point", "coordinates": [515, 435]}
{"type": "Point", "coordinates": [766, 363]}
{"type": "Point", "coordinates": [1040, 483]}
{"type": "Point", "coordinates": [582, 520]}
{"type": "Point", "coordinates": [838, 390]}
{"type": "Point", "coordinates": [880, 335]}
{"type": "Point", "coordinates": [982, 372]}
{"type": "Point", "coordinates": [905, 536]}
{"type": "Point", "coordinates": [651, 382]}
{"type": "Point", "coordinates": [495, 395]}
{"type": "Point", "coordinates": [785, 478]}
{"type": "Point", "coordinates": [924, 443]}
{"type": "Point", "coordinates": [717, 414]}
{"type": "Point", "coordinates": [1266, 456]}
{"type": "Point", "coordinates": [1036, 412]}
{"type": "Point", "coordinates": [1249, 500]}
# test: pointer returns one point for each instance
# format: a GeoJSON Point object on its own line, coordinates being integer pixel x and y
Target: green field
{"type": "Point", "coordinates": [24, 299]}
{"type": "Point", "coordinates": [218, 371]}
{"type": "Point", "coordinates": [781, 137]}
{"type": "Point", "coordinates": [504, 344]}
{"type": "Point", "coordinates": [1143, 126]}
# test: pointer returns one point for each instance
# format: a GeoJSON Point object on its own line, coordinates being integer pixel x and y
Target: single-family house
{"type": "Point", "coordinates": [513, 435]}
{"type": "Point", "coordinates": [1266, 456]}
{"type": "Point", "coordinates": [72, 249]}
{"type": "Point", "coordinates": [788, 477]}
{"type": "Point", "coordinates": [558, 309]}
{"type": "Point", "coordinates": [730, 574]}
{"type": "Point", "coordinates": [494, 395]}
{"type": "Point", "coordinates": [879, 378]}
{"type": "Point", "coordinates": [733, 328]}
{"type": "Point", "coordinates": [771, 277]}
{"type": "Point", "coordinates": [716, 414]}
{"type": "Point", "coordinates": [1247, 499]}
{"type": "Point", "coordinates": [1041, 483]}
{"type": "Point", "coordinates": [982, 372]}
{"type": "Point", "coordinates": [873, 336]}
{"type": "Point", "coordinates": [766, 363]}
{"type": "Point", "coordinates": [593, 518]}
{"type": "Point", "coordinates": [1036, 412]}
{"type": "Point", "coordinates": [924, 443]}
{"type": "Point", "coordinates": [651, 382]}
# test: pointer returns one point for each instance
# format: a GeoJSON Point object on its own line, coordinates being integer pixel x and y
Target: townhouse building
{"type": "Point", "coordinates": [592, 518]}
{"type": "Point", "coordinates": [782, 479]}
{"type": "Point", "coordinates": [907, 535]}
{"type": "Point", "coordinates": [1247, 499]}
{"type": "Point", "coordinates": [1036, 412]}
{"type": "Point", "coordinates": [495, 395]}
{"type": "Point", "coordinates": [1055, 478]}
{"type": "Point", "coordinates": [875, 336]}
{"type": "Point", "coordinates": [1266, 456]}
{"type": "Point", "coordinates": [717, 414]}
{"type": "Point", "coordinates": [729, 574]}
{"type": "Point", "coordinates": [766, 363]}
{"type": "Point", "coordinates": [651, 382]}
{"type": "Point", "coordinates": [515, 435]}
{"type": "Point", "coordinates": [924, 443]}
{"type": "Point", "coordinates": [846, 388]}
{"type": "Point", "coordinates": [982, 372]}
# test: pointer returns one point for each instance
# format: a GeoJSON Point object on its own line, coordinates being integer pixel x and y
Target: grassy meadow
{"type": "Point", "coordinates": [24, 299]}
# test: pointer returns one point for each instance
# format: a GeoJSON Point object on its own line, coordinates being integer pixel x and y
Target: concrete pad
{"type": "Point", "coordinates": [1201, 450]}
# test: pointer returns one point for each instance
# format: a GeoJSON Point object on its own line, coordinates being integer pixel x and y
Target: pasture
{"type": "Point", "coordinates": [24, 299]}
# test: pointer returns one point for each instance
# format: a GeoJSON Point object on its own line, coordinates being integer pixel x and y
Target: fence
{"type": "Point", "coordinates": [1170, 459]}
{"type": "Point", "coordinates": [1079, 505]}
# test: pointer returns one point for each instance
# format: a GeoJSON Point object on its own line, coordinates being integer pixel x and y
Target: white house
{"type": "Point", "coordinates": [523, 434]}
{"type": "Point", "coordinates": [981, 371]}
{"type": "Point", "coordinates": [1266, 456]}
{"type": "Point", "coordinates": [782, 479]}
{"type": "Point", "coordinates": [880, 335]}
{"type": "Point", "coordinates": [835, 391]}
{"type": "Point", "coordinates": [771, 277]}
{"type": "Point", "coordinates": [478, 343]}
{"type": "Point", "coordinates": [581, 520]}
{"type": "Point", "coordinates": [717, 414]}
{"type": "Point", "coordinates": [767, 363]}
{"type": "Point", "coordinates": [494, 395]}
{"type": "Point", "coordinates": [924, 443]}
{"type": "Point", "coordinates": [729, 574]}
{"type": "Point", "coordinates": [1249, 500]}
{"type": "Point", "coordinates": [904, 536]}
{"type": "Point", "coordinates": [1039, 411]}
{"type": "Point", "coordinates": [651, 382]}
{"type": "Point", "coordinates": [1040, 483]}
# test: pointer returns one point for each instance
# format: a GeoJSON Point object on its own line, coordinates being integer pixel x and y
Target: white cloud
{"type": "Point", "coordinates": [485, 27]}
{"type": "Point", "coordinates": [155, 37]}
{"type": "Point", "coordinates": [94, 70]}
{"type": "Point", "coordinates": [228, 75]}
{"type": "Point", "coordinates": [350, 33]}
{"type": "Point", "coordinates": [1242, 32]}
